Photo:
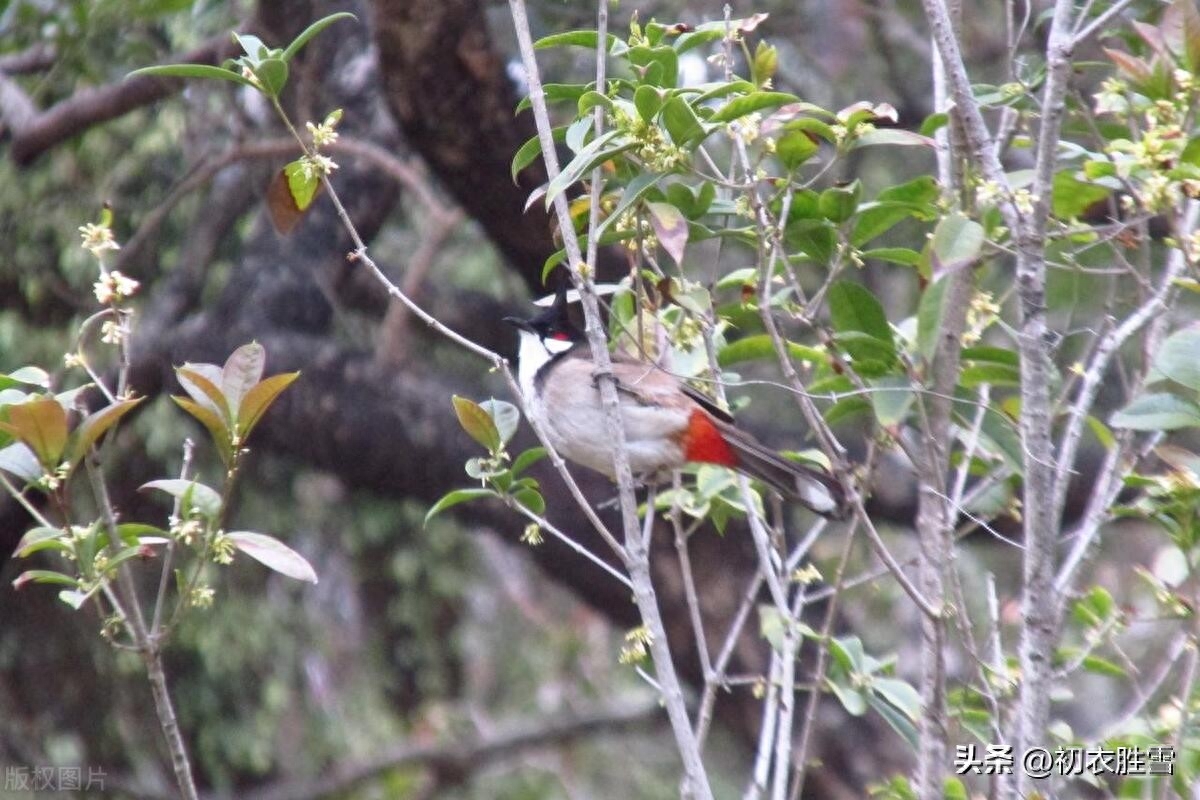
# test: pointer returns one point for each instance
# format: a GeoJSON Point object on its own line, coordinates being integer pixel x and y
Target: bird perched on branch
{"type": "Point", "coordinates": [667, 423]}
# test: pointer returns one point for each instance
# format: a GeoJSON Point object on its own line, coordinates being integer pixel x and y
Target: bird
{"type": "Point", "coordinates": [667, 423]}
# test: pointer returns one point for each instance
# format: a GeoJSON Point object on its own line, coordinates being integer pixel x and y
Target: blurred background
{"type": "Point", "coordinates": [447, 661]}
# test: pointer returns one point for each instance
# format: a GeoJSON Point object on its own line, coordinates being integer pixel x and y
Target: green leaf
{"type": "Point", "coordinates": [259, 398]}
{"type": "Point", "coordinates": [532, 499]}
{"type": "Point", "coordinates": [42, 425]}
{"type": "Point", "coordinates": [853, 700]}
{"type": "Point", "coordinates": [477, 422]}
{"type": "Point", "coordinates": [531, 150]}
{"type": "Point", "coordinates": [770, 626]}
{"type": "Point", "coordinates": [137, 533]}
{"type": "Point", "coordinates": [934, 122]}
{"type": "Point", "coordinates": [923, 192]}
{"type": "Point", "coordinates": [311, 31]}
{"type": "Point", "coordinates": [838, 203]}
{"type": "Point", "coordinates": [1179, 357]}
{"type": "Point", "coordinates": [274, 554]}
{"type": "Point", "coordinates": [1070, 197]}
{"type": "Point", "coordinates": [242, 370]}
{"type": "Point", "coordinates": [1181, 32]}
{"type": "Point", "coordinates": [648, 100]}
{"type": "Point", "coordinates": [753, 348]}
{"type": "Point", "coordinates": [1102, 666]}
{"type": "Point", "coordinates": [451, 499]}
{"type": "Point", "coordinates": [852, 307]}
{"type": "Point", "coordinates": [894, 255]}
{"type": "Point", "coordinates": [957, 241]}
{"type": "Point", "coordinates": [630, 194]}
{"type": "Point", "coordinates": [213, 423]}
{"type": "Point", "coordinates": [191, 71]}
{"type": "Point", "coordinates": [505, 416]}
{"type": "Point", "coordinates": [302, 183]}
{"type": "Point", "coordinates": [39, 538]}
{"type": "Point", "coordinates": [201, 382]}
{"type": "Point", "coordinates": [203, 498]}
{"type": "Point", "coordinates": [748, 104]}
{"type": "Point", "coordinates": [891, 397]}
{"type": "Point", "coordinates": [94, 426]}
{"type": "Point", "coordinates": [816, 238]}
{"type": "Point", "coordinates": [992, 374]}
{"type": "Point", "coordinates": [1101, 432]}
{"type": "Point", "coordinates": [586, 39]}
{"type": "Point", "coordinates": [254, 48]}
{"type": "Point", "coordinates": [528, 459]}
{"type": "Point", "coordinates": [590, 99]}
{"type": "Point", "coordinates": [670, 227]}
{"type": "Point", "coordinates": [19, 460]}
{"type": "Point", "coordinates": [876, 219]}
{"type": "Point", "coordinates": [898, 722]}
{"type": "Point", "coordinates": [895, 137]}
{"type": "Point", "coordinates": [27, 376]}
{"type": "Point", "coordinates": [930, 314]}
{"type": "Point", "coordinates": [681, 121]}
{"type": "Point", "coordinates": [794, 147]}
{"type": "Point", "coordinates": [272, 73]}
{"type": "Point", "coordinates": [998, 355]}
{"type": "Point", "coordinates": [901, 694]}
{"type": "Point", "coordinates": [594, 153]}
{"type": "Point", "coordinates": [954, 789]}
{"type": "Point", "coordinates": [1153, 412]}
{"type": "Point", "coordinates": [43, 576]}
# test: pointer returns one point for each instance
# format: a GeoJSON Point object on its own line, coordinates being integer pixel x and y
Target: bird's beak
{"type": "Point", "coordinates": [517, 322]}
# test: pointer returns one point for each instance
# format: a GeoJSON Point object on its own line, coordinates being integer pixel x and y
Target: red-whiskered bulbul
{"type": "Point", "coordinates": [667, 423]}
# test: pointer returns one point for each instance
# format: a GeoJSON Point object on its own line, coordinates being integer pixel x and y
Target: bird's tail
{"type": "Point", "coordinates": [816, 490]}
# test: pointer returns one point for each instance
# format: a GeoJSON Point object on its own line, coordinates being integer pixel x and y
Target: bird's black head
{"type": "Point", "coordinates": [551, 323]}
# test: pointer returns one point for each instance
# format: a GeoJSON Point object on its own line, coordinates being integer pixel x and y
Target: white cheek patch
{"type": "Point", "coordinates": [556, 346]}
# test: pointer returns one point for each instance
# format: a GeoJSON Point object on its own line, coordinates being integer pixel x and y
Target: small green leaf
{"type": "Point", "coordinates": [1161, 411]}
{"type": "Point", "coordinates": [311, 31]}
{"type": "Point", "coordinates": [259, 398]}
{"type": "Point", "coordinates": [851, 699]}
{"type": "Point", "coordinates": [203, 498]}
{"type": "Point", "coordinates": [272, 73]}
{"type": "Point", "coordinates": [202, 382]}
{"type": "Point", "coordinates": [39, 538]}
{"type": "Point", "coordinates": [957, 241]}
{"type": "Point", "coordinates": [757, 347]}
{"type": "Point", "coordinates": [1070, 197]}
{"type": "Point", "coordinates": [748, 104]}
{"type": "Point", "coordinates": [528, 459]}
{"type": "Point", "coordinates": [670, 227]}
{"type": "Point", "coordinates": [27, 376]}
{"type": "Point", "coordinates": [531, 150]}
{"type": "Point", "coordinates": [930, 314]}
{"type": "Point", "coordinates": [94, 426]}
{"type": "Point", "coordinates": [898, 722]}
{"type": "Point", "coordinates": [891, 397]}
{"type": "Point", "coordinates": [42, 425]}
{"type": "Point", "coordinates": [583, 38]}
{"type": "Point", "coordinates": [681, 121]}
{"type": "Point", "coordinates": [901, 694]}
{"type": "Point", "coordinates": [1179, 357]}
{"type": "Point", "coordinates": [43, 576]}
{"type": "Point", "coordinates": [838, 203]}
{"type": "Point", "coordinates": [242, 370]}
{"type": "Point", "coordinates": [794, 147]}
{"type": "Point", "coordinates": [254, 48]}
{"type": "Point", "coordinates": [1102, 666]}
{"type": "Point", "coordinates": [1101, 432]}
{"type": "Point", "coordinates": [451, 499]}
{"type": "Point", "coordinates": [852, 307]}
{"type": "Point", "coordinates": [532, 499]}
{"type": "Point", "coordinates": [215, 425]}
{"type": "Point", "coordinates": [191, 71]}
{"type": "Point", "coordinates": [505, 416]}
{"type": "Point", "coordinates": [302, 183]}
{"type": "Point", "coordinates": [19, 460]}
{"type": "Point", "coordinates": [895, 137]}
{"type": "Point", "coordinates": [893, 255]}
{"type": "Point", "coordinates": [477, 422]}
{"type": "Point", "coordinates": [274, 554]}
{"type": "Point", "coordinates": [648, 100]}
{"type": "Point", "coordinates": [630, 194]}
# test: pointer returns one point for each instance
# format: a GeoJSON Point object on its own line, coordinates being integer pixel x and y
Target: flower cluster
{"type": "Point", "coordinates": [113, 286]}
